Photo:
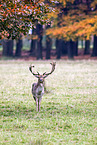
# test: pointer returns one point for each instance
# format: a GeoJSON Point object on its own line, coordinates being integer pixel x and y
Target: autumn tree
{"type": "Point", "coordinates": [75, 19]}
{"type": "Point", "coordinates": [72, 19]}
{"type": "Point", "coordinates": [16, 16]}
{"type": "Point", "coordinates": [78, 20]}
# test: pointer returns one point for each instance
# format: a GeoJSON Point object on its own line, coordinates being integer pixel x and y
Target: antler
{"type": "Point", "coordinates": [36, 75]}
{"type": "Point", "coordinates": [53, 68]}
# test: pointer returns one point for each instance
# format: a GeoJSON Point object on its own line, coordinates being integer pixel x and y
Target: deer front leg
{"type": "Point", "coordinates": [37, 104]}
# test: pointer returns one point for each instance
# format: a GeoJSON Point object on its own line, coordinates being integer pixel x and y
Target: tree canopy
{"type": "Point", "coordinates": [72, 19]}
{"type": "Point", "coordinates": [17, 16]}
{"type": "Point", "coordinates": [75, 19]}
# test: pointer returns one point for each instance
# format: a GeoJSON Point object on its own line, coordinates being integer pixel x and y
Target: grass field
{"type": "Point", "coordinates": [68, 113]}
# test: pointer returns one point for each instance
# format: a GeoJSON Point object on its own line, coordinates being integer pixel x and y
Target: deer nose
{"type": "Point", "coordinates": [41, 80]}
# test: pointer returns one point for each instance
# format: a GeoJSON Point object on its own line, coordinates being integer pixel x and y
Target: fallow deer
{"type": "Point", "coordinates": [38, 88]}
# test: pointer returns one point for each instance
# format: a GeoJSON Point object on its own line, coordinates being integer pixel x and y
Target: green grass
{"type": "Point", "coordinates": [68, 113]}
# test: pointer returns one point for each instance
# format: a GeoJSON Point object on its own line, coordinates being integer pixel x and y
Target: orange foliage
{"type": "Point", "coordinates": [70, 19]}
{"type": "Point", "coordinates": [77, 20]}
{"type": "Point", "coordinates": [17, 17]}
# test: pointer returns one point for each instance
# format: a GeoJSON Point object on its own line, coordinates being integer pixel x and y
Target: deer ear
{"type": "Point", "coordinates": [53, 63]}
{"type": "Point", "coordinates": [37, 76]}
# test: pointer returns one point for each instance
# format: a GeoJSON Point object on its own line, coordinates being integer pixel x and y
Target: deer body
{"type": "Point", "coordinates": [37, 91]}
{"type": "Point", "coordinates": [38, 88]}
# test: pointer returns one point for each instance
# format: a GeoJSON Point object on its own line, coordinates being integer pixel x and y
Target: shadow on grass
{"type": "Point", "coordinates": [16, 110]}
{"type": "Point", "coordinates": [37, 142]}
{"type": "Point", "coordinates": [51, 109]}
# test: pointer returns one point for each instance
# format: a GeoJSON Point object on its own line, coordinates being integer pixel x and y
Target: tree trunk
{"type": "Point", "coordinates": [64, 48]}
{"type": "Point", "coordinates": [39, 48]}
{"type": "Point", "coordinates": [70, 48]}
{"type": "Point", "coordinates": [19, 46]}
{"type": "Point", "coordinates": [87, 47]}
{"type": "Point", "coordinates": [58, 48]}
{"type": "Point", "coordinates": [75, 48]}
{"type": "Point", "coordinates": [33, 47]}
{"type": "Point", "coordinates": [4, 43]}
{"type": "Point", "coordinates": [33, 43]}
{"type": "Point", "coordinates": [94, 52]}
{"type": "Point", "coordinates": [39, 32]}
{"type": "Point", "coordinates": [48, 47]}
{"type": "Point", "coordinates": [8, 48]}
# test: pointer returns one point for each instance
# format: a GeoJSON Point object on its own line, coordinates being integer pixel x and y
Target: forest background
{"type": "Point", "coordinates": [47, 29]}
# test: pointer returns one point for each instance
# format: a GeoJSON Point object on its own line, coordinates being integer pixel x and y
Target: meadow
{"type": "Point", "coordinates": [68, 113]}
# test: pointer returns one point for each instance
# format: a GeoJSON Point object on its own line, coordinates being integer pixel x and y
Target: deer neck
{"type": "Point", "coordinates": [40, 85]}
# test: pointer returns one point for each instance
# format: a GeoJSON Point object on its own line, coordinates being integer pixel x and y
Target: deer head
{"type": "Point", "coordinates": [44, 75]}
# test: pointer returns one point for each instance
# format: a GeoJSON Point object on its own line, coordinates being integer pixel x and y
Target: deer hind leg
{"type": "Point", "coordinates": [34, 98]}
